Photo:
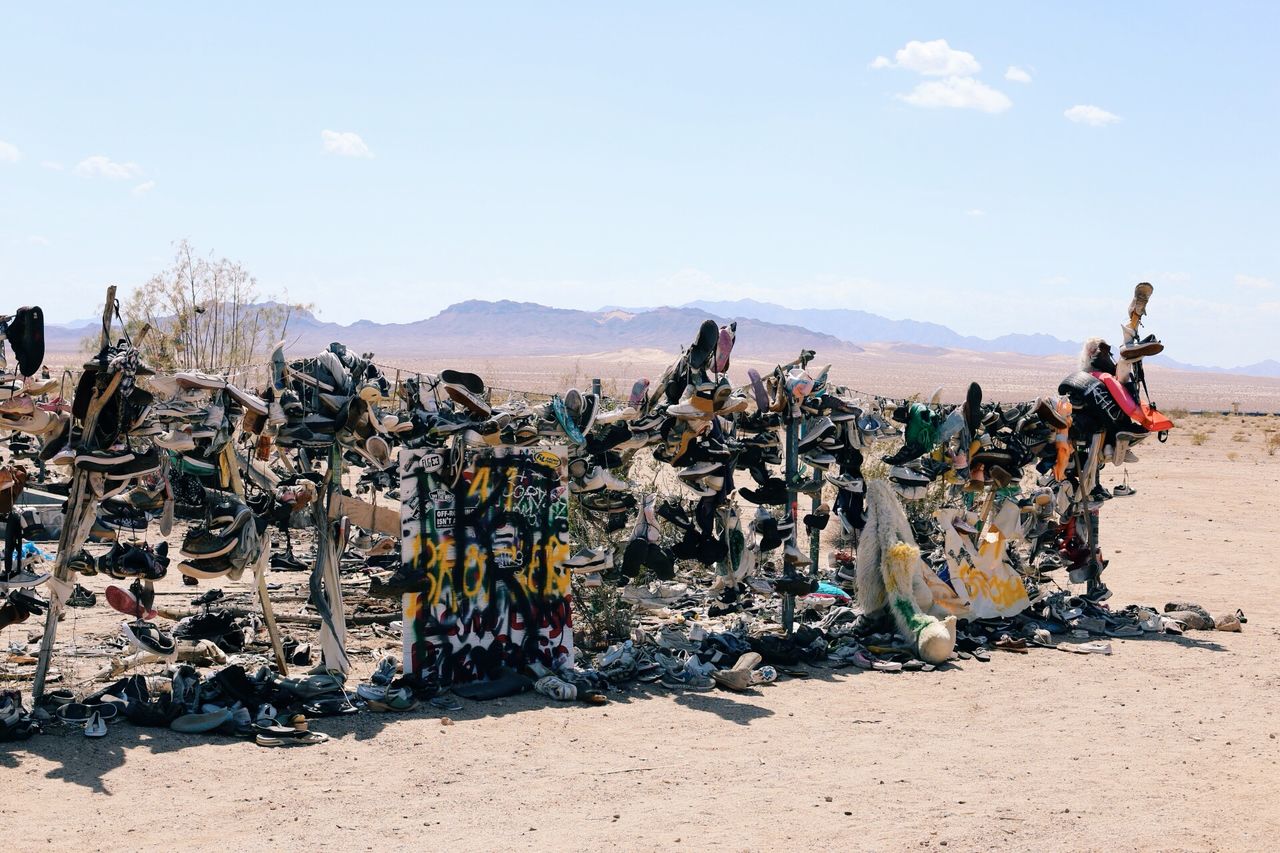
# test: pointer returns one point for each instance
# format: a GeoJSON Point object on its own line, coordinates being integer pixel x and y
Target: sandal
{"type": "Point", "coordinates": [302, 739]}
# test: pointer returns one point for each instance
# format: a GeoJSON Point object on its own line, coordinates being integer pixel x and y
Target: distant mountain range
{"type": "Point", "coordinates": [507, 328]}
{"type": "Point", "coordinates": [477, 328]}
{"type": "Point", "coordinates": [864, 327]}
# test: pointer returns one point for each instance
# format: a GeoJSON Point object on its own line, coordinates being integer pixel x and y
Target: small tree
{"type": "Point", "coordinates": [205, 314]}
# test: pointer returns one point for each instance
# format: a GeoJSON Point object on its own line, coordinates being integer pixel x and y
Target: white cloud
{"type": "Point", "coordinates": [144, 187]}
{"type": "Point", "coordinates": [975, 211]}
{"type": "Point", "coordinates": [345, 144]}
{"type": "Point", "coordinates": [101, 166]}
{"type": "Point", "coordinates": [1017, 75]}
{"type": "Point", "coordinates": [932, 59]}
{"type": "Point", "coordinates": [54, 165]}
{"type": "Point", "coordinates": [37, 240]}
{"type": "Point", "coordinates": [9, 152]}
{"type": "Point", "coordinates": [1254, 282]}
{"type": "Point", "coordinates": [1091, 115]}
{"type": "Point", "coordinates": [962, 93]}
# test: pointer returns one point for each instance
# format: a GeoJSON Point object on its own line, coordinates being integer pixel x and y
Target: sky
{"type": "Point", "coordinates": [996, 167]}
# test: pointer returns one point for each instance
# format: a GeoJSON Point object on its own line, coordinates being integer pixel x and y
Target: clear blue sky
{"type": "Point", "coordinates": [588, 154]}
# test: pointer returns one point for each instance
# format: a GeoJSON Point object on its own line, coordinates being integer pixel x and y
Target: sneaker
{"type": "Point", "coordinates": [139, 466]}
{"type": "Point", "coordinates": [250, 402]}
{"type": "Point", "coordinates": [698, 401]}
{"type": "Point", "coordinates": [81, 597]}
{"type": "Point", "coordinates": [590, 560]}
{"type": "Point", "coordinates": [201, 544]}
{"type": "Point", "coordinates": [197, 379]}
{"type": "Point", "coordinates": [1124, 490]}
{"type": "Point", "coordinates": [149, 638]}
{"type": "Point", "coordinates": [178, 439]}
{"type": "Point", "coordinates": [105, 460]}
{"type": "Point", "coordinates": [908, 477]}
{"type": "Point", "coordinates": [467, 390]}
{"type": "Point", "coordinates": [210, 568]}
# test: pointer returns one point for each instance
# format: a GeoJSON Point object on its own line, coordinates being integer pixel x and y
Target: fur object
{"type": "Point", "coordinates": [891, 575]}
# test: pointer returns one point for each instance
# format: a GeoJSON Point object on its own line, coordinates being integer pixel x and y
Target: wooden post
{"type": "Point", "coordinates": [79, 502]}
{"type": "Point", "coordinates": [232, 461]}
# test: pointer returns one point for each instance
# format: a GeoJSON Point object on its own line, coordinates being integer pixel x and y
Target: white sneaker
{"type": "Point", "coordinates": [179, 439]}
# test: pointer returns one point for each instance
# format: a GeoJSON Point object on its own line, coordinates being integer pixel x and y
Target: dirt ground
{"type": "Point", "coordinates": [1169, 744]}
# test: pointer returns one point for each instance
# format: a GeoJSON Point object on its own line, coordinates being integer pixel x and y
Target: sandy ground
{"type": "Point", "coordinates": [1169, 744]}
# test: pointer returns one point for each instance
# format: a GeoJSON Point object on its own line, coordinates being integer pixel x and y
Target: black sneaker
{"type": "Point", "coordinates": [772, 493]}
{"type": "Point", "coordinates": [202, 544]}
{"type": "Point", "coordinates": [81, 597]}
{"type": "Point", "coordinates": [467, 390]}
{"type": "Point", "coordinates": [149, 638]}
{"type": "Point", "coordinates": [208, 598]}
{"type": "Point", "coordinates": [704, 346]}
{"type": "Point", "coordinates": [103, 461]}
{"type": "Point", "coordinates": [139, 466]}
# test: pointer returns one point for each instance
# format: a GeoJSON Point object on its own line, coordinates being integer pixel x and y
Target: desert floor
{"type": "Point", "coordinates": [1169, 744]}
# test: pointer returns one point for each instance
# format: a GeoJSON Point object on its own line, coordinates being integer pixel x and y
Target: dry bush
{"type": "Point", "coordinates": [1272, 443]}
{"type": "Point", "coordinates": [205, 313]}
{"type": "Point", "coordinates": [1240, 437]}
{"type": "Point", "coordinates": [1233, 457]}
{"type": "Point", "coordinates": [1199, 438]}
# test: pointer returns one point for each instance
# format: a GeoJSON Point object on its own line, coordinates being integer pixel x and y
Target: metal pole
{"type": "Point", "coordinates": [815, 535]}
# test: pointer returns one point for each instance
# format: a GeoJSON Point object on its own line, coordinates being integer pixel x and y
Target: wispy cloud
{"type": "Point", "coordinates": [1091, 115]}
{"type": "Point", "coordinates": [52, 165]}
{"type": "Point", "coordinates": [975, 211]}
{"type": "Point", "coordinates": [1254, 282]}
{"type": "Point", "coordinates": [931, 58]}
{"type": "Point", "coordinates": [345, 144]}
{"type": "Point", "coordinates": [37, 240]}
{"type": "Point", "coordinates": [961, 93]}
{"type": "Point", "coordinates": [144, 187]}
{"type": "Point", "coordinates": [9, 152]}
{"type": "Point", "coordinates": [1017, 75]}
{"type": "Point", "coordinates": [958, 88]}
{"type": "Point", "coordinates": [101, 166]}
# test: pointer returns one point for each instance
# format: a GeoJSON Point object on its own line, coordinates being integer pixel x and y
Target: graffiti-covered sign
{"type": "Point", "coordinates": [488, 546]}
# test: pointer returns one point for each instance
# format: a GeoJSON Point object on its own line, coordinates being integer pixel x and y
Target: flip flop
{"type": "Point", "coordinates": [303, 739]}
{"type": "Point", "coordinates": [96, 726]}
{"type": "Point", "coordinates": [334, 707]}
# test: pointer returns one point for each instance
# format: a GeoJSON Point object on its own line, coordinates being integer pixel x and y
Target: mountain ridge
{"type": "Point", "coordinates": [508, 327]}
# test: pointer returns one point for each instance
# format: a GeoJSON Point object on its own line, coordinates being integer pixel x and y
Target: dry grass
{"type": "Point", "coordinates": [1200, 437]}
{"type": "Point", "coordinates": [1271, 443]}
{"type": "Point", "coordinates": [1233, 457]}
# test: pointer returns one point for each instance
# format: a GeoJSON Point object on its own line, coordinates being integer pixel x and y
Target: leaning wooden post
{"type": "Point", "coordinates": [79, 502]}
